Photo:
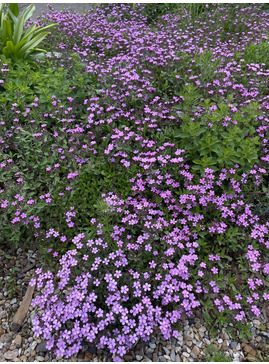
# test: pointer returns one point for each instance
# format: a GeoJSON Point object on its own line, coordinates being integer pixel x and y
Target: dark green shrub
{"type": "Point", "coordinates": [209, 145]}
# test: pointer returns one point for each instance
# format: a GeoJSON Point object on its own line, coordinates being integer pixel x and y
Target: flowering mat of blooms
{"type": "Point", "coordinates": [134, 175]}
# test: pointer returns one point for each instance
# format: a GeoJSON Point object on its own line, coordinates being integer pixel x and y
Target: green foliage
{"type": "Point", "coordinates": [215, 147]}
{"type": "Point", "coordinates": [152, 11]}
{"type": "Point", "coordinates": [16, 42]}
{"type": "Point", "coordinates": [206, 65]}
{"type": "Point", "coordinates": [257, 53]}
{"type": "Point", "coordinates": [49, 77]}
{"type": "Point", "coordinates": [214, 355]}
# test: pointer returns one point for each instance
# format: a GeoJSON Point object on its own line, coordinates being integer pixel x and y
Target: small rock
{"type": "Point", "coordinates": [39, 358]}
{"type": "Point", "coordinates": [167, 352]}
{"type": "Point", "coordinates": [186, 355]}
{"type": "Point", "coordinates": [173, 355]}
{"type": "Point", "coordinates": [207, 341]}
{"type": "Point", "coordinates": [128, 357]}
{"type": "Point", "coordinates": [162, 358]}
{"type": "Point", "coordinates": [146, 359]}
{"type": "Point", "coordinates": [42, 347]}
{"type": "Point", "coordinates": [152, 345]}
{"type": "Point", "coordinates": [177, 358]}
{"type": "Point", "coordinates": [189, 335]}
{"type": "Point", "coordinates": [233, 344]}
{"type": "Point", "coordinates": [18, 340]}
{"type": "Point", "coordinates": [196, 350]}
{"type": "Point", "coordinates": [193, 355]}
{"type": "Point", "coordinates": [191, 321]}
{"type": "Point", "coordinates": [88, 356]}
{"type": "Point", "coordinates": [34, 345]}
{"type": "Point", "coordinates": [41, 353]}
{"type": "Point", "coordinates": [74, 359]}
{"type": "Point", "coordinates": [3, 314]}
{"type": "Point", "coordinates": [23, 357]}
{"type": "Point", "coordinates": [139, 357]}
{"type": "Point", "coordinates": [220, 341]}
{"type": "Point", "coordinates": [252, 356]}
{"type": "Point", "coordinates": [155, 357]}
{"type": "Point", "coordinates": [92, 349]}
{"type": "Point", "coordinates": [14, 300]}
{"type": "Point", "coordinates": [10, 355]}
{"type": "Point", "coordinates": [167, 357]}
{"type": "Point", "coordinates": [189, 343]}
{"type": "Point", "coordinates": [150, 356]}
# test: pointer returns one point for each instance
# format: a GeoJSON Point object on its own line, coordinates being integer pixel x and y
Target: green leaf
{"type": "Point", "coordinates": [11, 17]}
{"type": "Point", "coordinates": [31, 45]}
{"type": "Point", "coordinates": [18, 30]}
{"type": "Point", "coordinates": [46, 28]}
{"type": "Point", "coordinates": [14, 7]}
{"type": "Point", "coordinates": [28, 12]}
{"type": "Point", "coordinates": [8, 50]}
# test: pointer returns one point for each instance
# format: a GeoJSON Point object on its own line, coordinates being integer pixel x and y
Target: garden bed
{"type": "Point", "coordinates": [134, 172]}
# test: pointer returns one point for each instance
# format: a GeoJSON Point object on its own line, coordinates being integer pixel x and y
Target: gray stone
{"type": "Point", "coordinates": [233, 344]}
{"type": "Point", "coordinates": [3, 314]}
{"type": "Point", "coordinates": [39, 358]}
{"type": "Point", "coordinates": [167, 352]}
{"type": "Point", "coordinates": [152, 345]}
{"type": "Point", "coordinates": [139, 357]}
{"type": "Point", "coordinates": [33, 345]}
{"type": "Point", "coordinates": [173, 355]}
{"type": "Point", "coordinates": [11, 354]}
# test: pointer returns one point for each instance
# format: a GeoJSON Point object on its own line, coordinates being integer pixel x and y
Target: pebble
{"type": "Point", "coordinates": [18, 340]}
{"type": "Point", "coordinates": [42, 347]}
{"type": "Point", "coordinates": [196, 350]}
{"type": "Point", "coordinates": [173, 355]}
{"type": "Point", "coordinates": [92, 349]}
{"type": "Point", "coordinates": [189, 335]}
{"type": "Point", "coordinates": [167, 352]}
{"type": "Point", "coordinates": [139, 357]}
{"type": "Point", "coordinates": [233, 344]}
{"type": "Point", "coordinates": [185, 354]}
{"type": "Point", "coordinates": [152, 345]}
{"type": "Point", "coordinates": [10, 355]}
{"type": "Point", "coordinates": [40, 358]}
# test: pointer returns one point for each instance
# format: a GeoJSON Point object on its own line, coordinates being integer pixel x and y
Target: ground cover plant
{"type": "Point", "coordinates": [135, 159]}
